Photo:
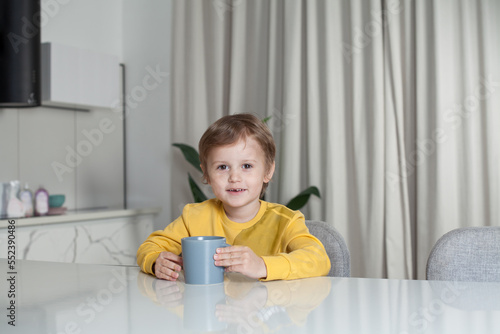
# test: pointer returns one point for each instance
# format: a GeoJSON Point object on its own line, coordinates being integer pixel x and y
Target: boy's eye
{"type": "Point", "coordinates": [222, 167]}
{"type": "Point", "coordinates": [247, 166]}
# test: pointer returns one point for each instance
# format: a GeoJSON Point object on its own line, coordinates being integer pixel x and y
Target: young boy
{"type": "Point", "coordinates": [269, 241]}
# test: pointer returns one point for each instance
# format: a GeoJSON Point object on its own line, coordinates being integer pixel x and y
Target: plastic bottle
{"type": "Point", "coordinates": [41, 202]}
{"type": "Point", "coordinates": [26, 196]}
{"type": "Point", "coordinates": [14, 206]}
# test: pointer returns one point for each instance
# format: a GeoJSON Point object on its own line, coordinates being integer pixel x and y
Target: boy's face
{"type": "Point", "coordinates": [236, 173]}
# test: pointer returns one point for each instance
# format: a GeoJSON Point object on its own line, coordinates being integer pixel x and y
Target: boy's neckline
{"type": "Point", "coordinates": [256, 218]}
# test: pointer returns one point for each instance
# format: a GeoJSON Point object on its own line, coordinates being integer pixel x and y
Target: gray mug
{"type": "Point", "coordinates": [198, 259]}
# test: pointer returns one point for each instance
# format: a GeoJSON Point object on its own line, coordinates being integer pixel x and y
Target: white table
{"type": "Point", "coordinates": [82, 298]}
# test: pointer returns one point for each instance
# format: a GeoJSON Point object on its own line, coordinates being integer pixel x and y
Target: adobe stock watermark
{"type": "Point", "coordinates": [364, 37]}
{"type": "Point", "coordinates": [255, 315]}
{"type": "Point", "coordinates": [94, 138]}
{"type": "Point", "coordinates": [85, 147]}
{"type": "Point", "coordinates": [89, 310]}
{"type": "Point", "coordinates": [31, 25]}
{"type": "Point", "coordinates": [275, 305]}
{"type": "Point", "coordinates": [153, 78]}
{"type": "Point", "coordinates": [452, 119]}
{"type": "Point", "coordinates": [223, 6]}
{"type": "Point", "coordinates": [420, 320]}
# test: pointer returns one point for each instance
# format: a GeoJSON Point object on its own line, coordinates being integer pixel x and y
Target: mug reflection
{"type": "Point", "coordinates": [240, 304]}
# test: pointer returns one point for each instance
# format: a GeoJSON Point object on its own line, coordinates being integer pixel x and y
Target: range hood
{"type": "Point", "coordinates": [20, 22]}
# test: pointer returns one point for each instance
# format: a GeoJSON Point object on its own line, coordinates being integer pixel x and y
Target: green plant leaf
{"type": "Point", "coordinates": [190, 154]}
{"type": "Point", "coordinates": [301, 199]}
{"type": "Point", "coordinates": [198, 195]}
{"type": "Point", "coordinates": [266, 119]}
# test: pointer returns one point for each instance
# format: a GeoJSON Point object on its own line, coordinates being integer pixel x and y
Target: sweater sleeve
{"type": "Point", "coordinates": [303, 255]}
{"type": "Point", "coordinates": [167, 240]}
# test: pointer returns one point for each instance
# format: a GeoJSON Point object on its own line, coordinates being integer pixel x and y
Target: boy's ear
{"type": "Point", "coordinates": [205, 175]}
{"type": "Point", "coordinates": [269, 174]}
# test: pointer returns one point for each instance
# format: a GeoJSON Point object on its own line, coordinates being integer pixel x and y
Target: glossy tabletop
{"type": "Point", "coordinates": [78, 298]}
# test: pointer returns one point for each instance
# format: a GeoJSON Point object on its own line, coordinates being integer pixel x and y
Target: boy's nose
{"type": "Point", "coordinates": [234, 176]}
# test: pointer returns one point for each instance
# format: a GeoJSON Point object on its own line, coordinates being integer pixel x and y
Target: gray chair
{"type": "Point", "coordinates": [335, 246]}
{"type": "Point", "coordinates": [469, 254]}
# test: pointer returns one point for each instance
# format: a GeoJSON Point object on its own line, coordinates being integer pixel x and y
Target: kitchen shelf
{"type": "Point", "coordinates": [79, 215]}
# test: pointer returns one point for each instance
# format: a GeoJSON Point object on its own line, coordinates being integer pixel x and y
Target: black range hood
{"type": "Point", "coordinates": [20, 22]}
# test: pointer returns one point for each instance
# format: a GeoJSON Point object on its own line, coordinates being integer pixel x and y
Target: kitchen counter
{"type": "Point", "coordinates": [89, 236]}
{"type": "Point", "coordinates": [80, 215]}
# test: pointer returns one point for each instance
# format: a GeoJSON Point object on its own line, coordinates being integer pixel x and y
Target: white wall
{"type": "Point", "coordinates": [87, 24]}
{"type": "Point", "coordinates": [146, 50]}
{"type": "Point", "coordinates": [138, 32]}
{"type": "Point", "coordinates": [32, 139]}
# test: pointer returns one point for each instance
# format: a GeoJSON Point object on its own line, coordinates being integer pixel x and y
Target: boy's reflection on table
{"type": "Point", "coordinates": [240, 302]}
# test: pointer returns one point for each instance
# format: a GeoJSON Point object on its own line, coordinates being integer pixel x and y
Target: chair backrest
{"type": "Point", "coordinates": [469, 254]}
{"type": "Point", "coordinates": [335, 246]}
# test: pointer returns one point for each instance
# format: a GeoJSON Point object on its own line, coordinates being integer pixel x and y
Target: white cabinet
{"type": "Point", "coordinates": [99, 238]}
{"type": "Point", "coordinates": [77, 78]}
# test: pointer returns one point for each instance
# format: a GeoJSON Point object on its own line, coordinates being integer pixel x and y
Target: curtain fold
{"type": "Point", "coordinates": [389, 107]}
{"type": "Point", "coordinates": [399, 78]}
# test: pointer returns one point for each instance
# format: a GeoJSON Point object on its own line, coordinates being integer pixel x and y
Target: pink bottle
{"type": "Point", "coordinates": [41, 202]}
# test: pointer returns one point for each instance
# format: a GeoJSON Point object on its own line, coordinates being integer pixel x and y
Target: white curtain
{"type": "Point", "coordinates": [389, 107]}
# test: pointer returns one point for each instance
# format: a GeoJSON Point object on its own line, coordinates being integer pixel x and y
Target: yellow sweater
{"type": "Point", "coordinates": [277, 234]}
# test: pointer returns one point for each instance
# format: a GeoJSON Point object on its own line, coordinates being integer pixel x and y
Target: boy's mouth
{"type": "Point", "coordinates": [236, 190]}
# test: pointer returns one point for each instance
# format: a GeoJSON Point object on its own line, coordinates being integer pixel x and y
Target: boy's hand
{"type": "Point", "coordinates": [167, 266]}
{"type": "Point", "coordinates": [241, 259]}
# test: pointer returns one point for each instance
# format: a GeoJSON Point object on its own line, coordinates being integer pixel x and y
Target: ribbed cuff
{"type": "Point", "coordinates": [148, 263]}
{"type": "Point", "coordinates": [277, 266]}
